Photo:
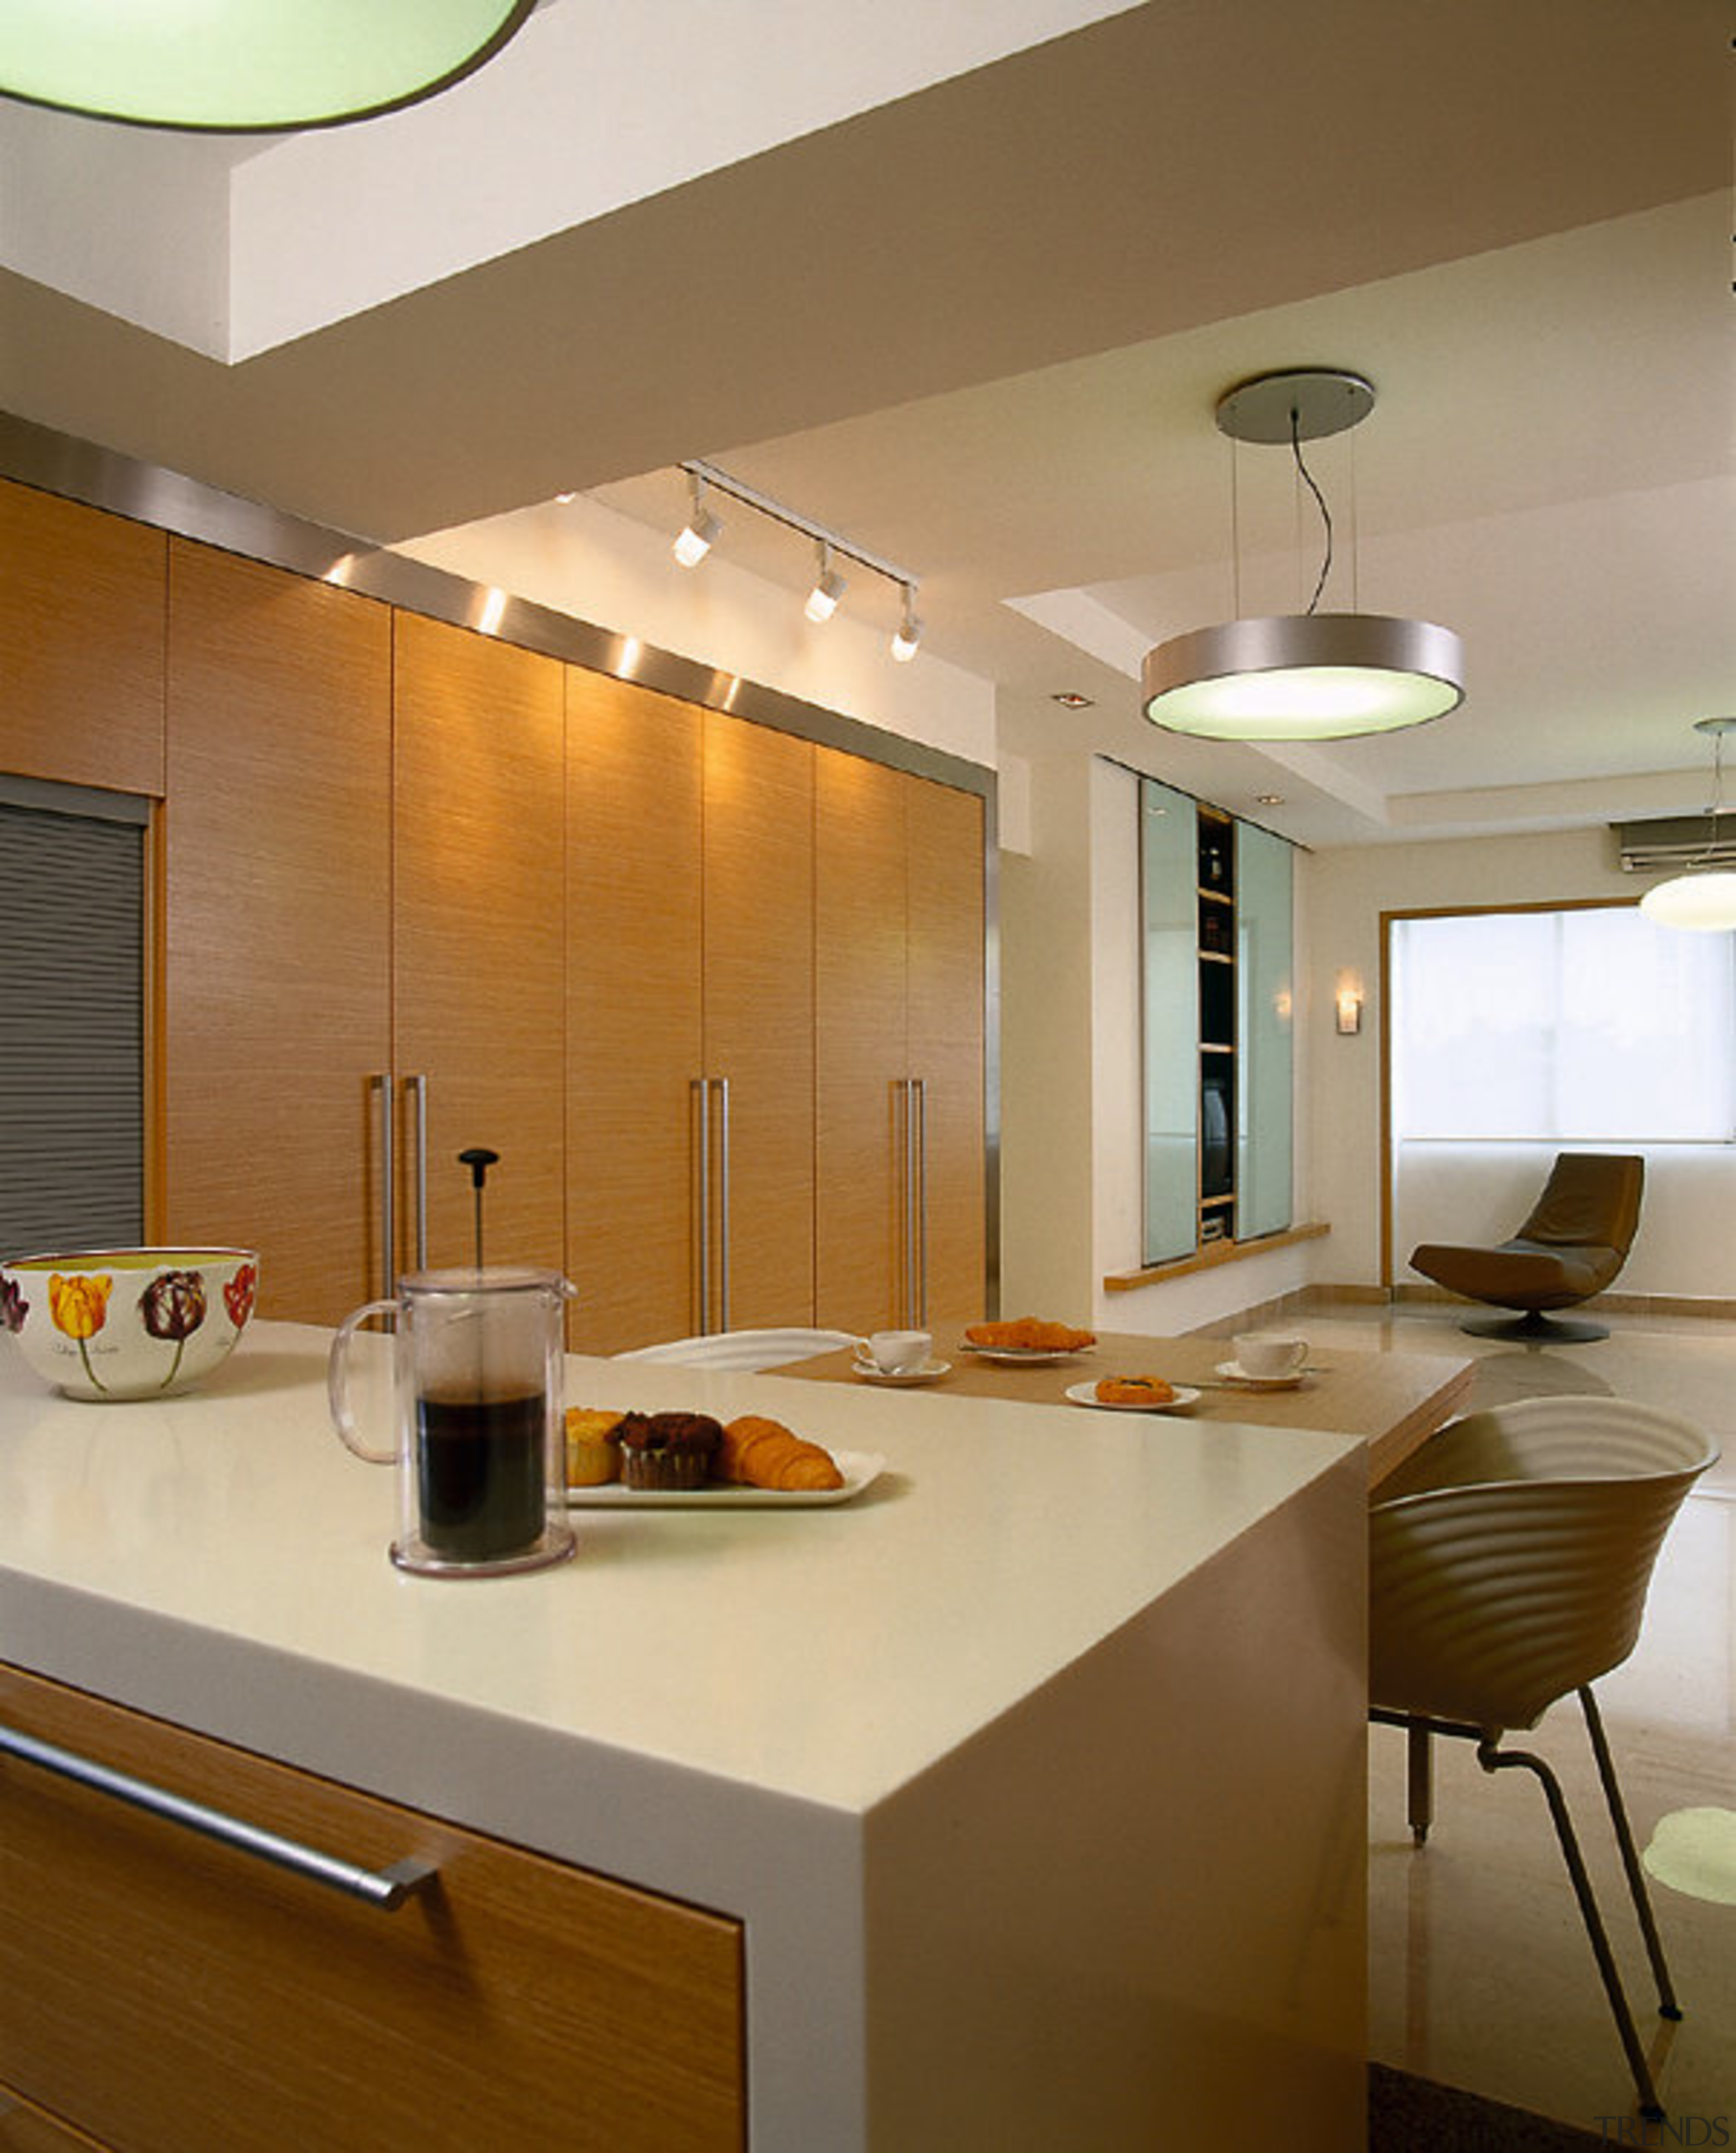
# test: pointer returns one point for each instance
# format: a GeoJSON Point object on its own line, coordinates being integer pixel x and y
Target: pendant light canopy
{"type": "Point", "coordinates": [1703, 900]}
{"type": "Point", "coordinates": [245, 66]}
{"type": "Point", "coordinates": [1304, 676]}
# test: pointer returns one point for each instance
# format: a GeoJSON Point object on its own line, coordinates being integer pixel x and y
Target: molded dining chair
{"type": "Point", "coordinates": [1509, 1559]}
{"type": "Point", "coordinates": [1571, 1246]}
{"type": "Point", "coordinates": [746, 1350]}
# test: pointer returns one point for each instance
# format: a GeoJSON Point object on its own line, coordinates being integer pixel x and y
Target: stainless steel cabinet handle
{"type": "Point", "coordinates": [700, 1093]}
{"type": "Point", "coordinates": [382, 1082]}
{"type": "Point", "coordinates": [723, 1204]}
{"type": "Point", "coordinates": [417, 1087]}
{"type": "Point", "coordinates": [907, 1307]}
{"type": "Point", "coordinates": [384, 1888]}
{"type": "Point", "coordinates": [920, 1200]}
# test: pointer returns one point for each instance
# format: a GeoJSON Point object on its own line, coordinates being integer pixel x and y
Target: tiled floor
{"type": "Point", "coordinates": [1480, 1974]}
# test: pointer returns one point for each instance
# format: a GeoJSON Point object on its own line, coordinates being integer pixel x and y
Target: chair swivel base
{"type": "Point", "coordinates": [1533, 1327]}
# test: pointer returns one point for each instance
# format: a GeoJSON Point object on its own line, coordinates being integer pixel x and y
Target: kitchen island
{"type": "Point", "coordinates": [1033, 1776]}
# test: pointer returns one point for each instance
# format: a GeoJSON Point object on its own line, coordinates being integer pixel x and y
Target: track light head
{"type": "Point", "coordinates": [907, 636]}
{"type": "Point", "coordinates": [697, 537]}
{"type": "Point", "coordinates": [829, 586]}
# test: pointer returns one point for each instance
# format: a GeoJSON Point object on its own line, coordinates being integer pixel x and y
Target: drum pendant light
{"type": "Point", "coordinates": [1703, 899]}
{"type": "Point", "coordinates": [245, 66]}
{"type": "Point", "coordinates": [1312, 675]}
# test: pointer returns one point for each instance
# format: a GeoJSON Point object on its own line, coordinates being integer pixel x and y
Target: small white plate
{"type": "Point", "coordinates": [1232, 1373]}
{"type": "Point", "coordinates": [860, 1468]}
{"type": "Point", "coordinates": [871, 1373]}
{"type": "Point", "coordinates": [1086, 1394]}
{"type": "Point", "coordinates": [1026, 1357]}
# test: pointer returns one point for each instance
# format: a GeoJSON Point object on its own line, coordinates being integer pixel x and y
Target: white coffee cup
{"type": "Point", "coordinates": [1269, 1354]}
{"type": "Point", "coordinates": [897, 1352]}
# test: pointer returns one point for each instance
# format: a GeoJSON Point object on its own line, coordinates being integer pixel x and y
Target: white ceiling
{"type": "Point", "coordinates": [980, 327]}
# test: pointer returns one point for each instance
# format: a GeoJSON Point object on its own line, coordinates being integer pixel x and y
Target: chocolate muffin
{"type": "Point", "coordinates": [667, 1449]}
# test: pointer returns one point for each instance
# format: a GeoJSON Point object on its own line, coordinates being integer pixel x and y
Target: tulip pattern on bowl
{"type": "Point", "coordinates": [129, 1323]}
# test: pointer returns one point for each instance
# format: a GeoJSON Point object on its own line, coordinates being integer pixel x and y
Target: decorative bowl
{"type": "Point", "coordinates": [128, 1323]}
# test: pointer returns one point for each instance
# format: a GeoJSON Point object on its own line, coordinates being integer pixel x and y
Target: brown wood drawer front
{"type": "Point", "coordinates": [24, 2128]}
{"type": "Point", "coordinates": [163, 1992]}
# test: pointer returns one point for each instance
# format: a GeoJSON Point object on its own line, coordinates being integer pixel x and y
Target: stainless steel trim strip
{"type": "Point", "coordinates": [386, 1889]}
{"type": "Point", "coordinates": [101, 478]}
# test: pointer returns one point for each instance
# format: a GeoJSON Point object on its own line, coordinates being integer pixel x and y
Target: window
{"type": "Point", "coordinates": [1588, 1026]}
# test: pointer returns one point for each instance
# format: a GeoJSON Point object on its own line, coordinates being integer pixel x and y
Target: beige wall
{"type": "Point", "coordinates": [1685, 1246]}
{"type": "Point", "coordinates": [1070, 1166]}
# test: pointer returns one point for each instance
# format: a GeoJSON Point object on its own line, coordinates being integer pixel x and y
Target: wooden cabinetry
{"type": "Point", "coordinates": [361, 886]}
{"type": "Point", "coordinates": [170, 1994]}
{"type": "Point", "coordinates": [81, 644]}
{"type": "Point", "coordinates": [276, 896]}
{"type": "Point", "coordinates": [898, 1093]}
{"type": "Point", "coordinates": [635, 1024]}
{"type": "Point", "coordinates": [479, 937]}
{"type": "Point", "coordinates": [691, 1012]}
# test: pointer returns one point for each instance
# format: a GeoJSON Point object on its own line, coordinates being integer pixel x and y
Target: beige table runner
{"type": "Point", "coordinates": [1393, 1400]}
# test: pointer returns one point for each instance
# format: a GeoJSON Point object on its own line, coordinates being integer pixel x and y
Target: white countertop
{"type": "Point", "coordinates": [825, 1654]}
{"type": "Point", "coordinates": [710, 1704]}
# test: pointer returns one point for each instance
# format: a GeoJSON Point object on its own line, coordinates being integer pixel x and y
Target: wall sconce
{"type": "Point", "coordinates": [1349, 1004]}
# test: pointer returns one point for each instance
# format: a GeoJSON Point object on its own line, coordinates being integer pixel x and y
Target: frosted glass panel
{"type": "Point", "coordinates": [1264, 987]}
{"type": "Point", "coordinates": [1169, 867]}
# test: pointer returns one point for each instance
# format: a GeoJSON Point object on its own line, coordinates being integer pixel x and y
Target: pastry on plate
{"type": "Point", "coordinates": [1135, 1391]}
{"type": "Point", "coordinates": [592, 1457]}
{"type": "Point", "coordinates": [1029, 1334]}
{"type": "Point", "coordinates": [758, 1453]}
{"type": "Point", "coordinates": [667, 1450]}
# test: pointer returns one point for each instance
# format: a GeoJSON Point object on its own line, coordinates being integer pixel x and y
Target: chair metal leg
{"type": "Point", "coordinates": [1494, 1759]}
{"type": "Point", "coordinates": [1666, 2004]}
{"type": "Point", "coordinates": [1418, 1778]}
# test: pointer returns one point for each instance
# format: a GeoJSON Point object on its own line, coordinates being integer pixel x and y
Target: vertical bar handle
{"type": "Point", "coordinates": [723, 1203]}
{"type": "Point", "coordinates": [700, 1095]}
{"type": "Point", "coordinates": [920, 1200]}
{"type": "Point", "coordinates": [417, 1087]}
{"type": "Point", "coordinates": [907, 1222]}
{"type": "Point", "coordinates": [385, 1089]}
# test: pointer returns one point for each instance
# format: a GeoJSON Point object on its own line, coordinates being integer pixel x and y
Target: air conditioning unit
{"type": "Point", "coordinates": [1675, 840]}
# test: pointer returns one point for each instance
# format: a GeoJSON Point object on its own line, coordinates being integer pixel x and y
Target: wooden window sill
{"type": "Point", "coordinates": [1208, 1257]}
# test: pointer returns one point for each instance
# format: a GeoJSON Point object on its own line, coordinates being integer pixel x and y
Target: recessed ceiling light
{"type": "Point", "coordinates": [1269, 800]}
{"type": "Point", "coordinates": [1070, 700]}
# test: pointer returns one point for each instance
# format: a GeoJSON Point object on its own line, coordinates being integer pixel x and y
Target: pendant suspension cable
{"type": "Point", "coordinates": [1319, 502]}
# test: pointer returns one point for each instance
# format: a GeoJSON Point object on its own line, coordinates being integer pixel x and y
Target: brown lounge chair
{"type": "Point", "coordinates": [1574, 1243]}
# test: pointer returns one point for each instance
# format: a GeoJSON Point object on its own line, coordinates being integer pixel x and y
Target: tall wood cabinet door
{"type": "Point", "coordinates": [633, 1045]}
{"type": "Point", "coordinates": [479, 934]}
{"type": "Point", "coordinates": [759, 1012]}
{"type": "Point", "coordinates": [947, 1041]}
{"type": "Point", "coordinates": [81, 644]}
{"type": "Point", "coordinates": [860, 1044]}
{"type": "Point", "coordinates": [276, 896]}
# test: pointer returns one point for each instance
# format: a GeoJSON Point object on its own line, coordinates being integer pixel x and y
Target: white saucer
{"type": "Point", "coordinates": [1232, 1373]}
{"type": "Point", "coordinates": [871, 1373]}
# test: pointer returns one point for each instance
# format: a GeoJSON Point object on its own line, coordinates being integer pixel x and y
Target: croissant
{"type": "Point", "coordinates": [1030, 1334]}
{"type": "Point", "coordinates": [758, 1453]}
